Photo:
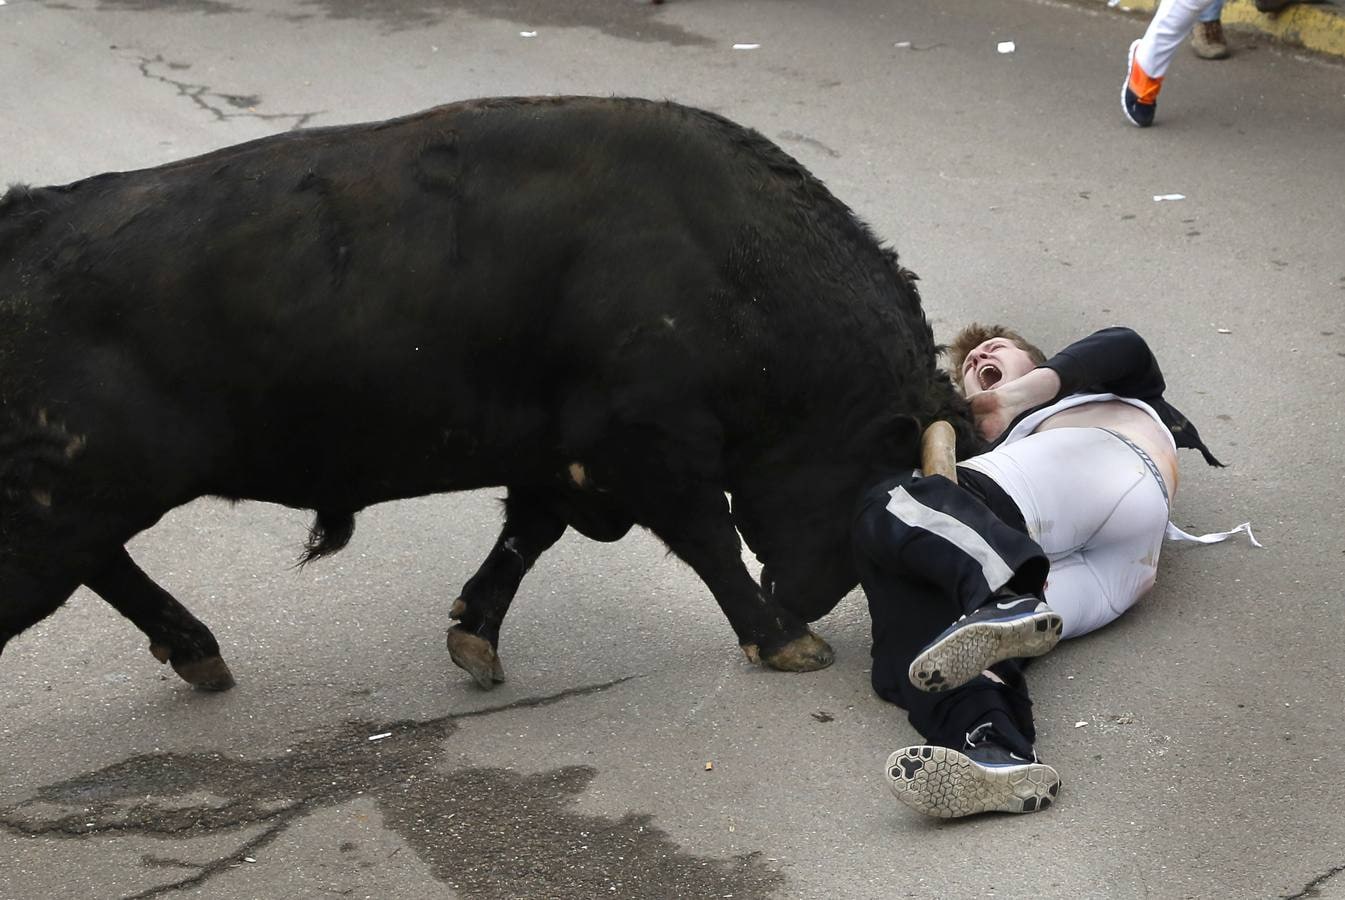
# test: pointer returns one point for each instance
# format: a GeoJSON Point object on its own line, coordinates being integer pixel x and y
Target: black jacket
{"type": "Point", "coordinates": [1118, 361]}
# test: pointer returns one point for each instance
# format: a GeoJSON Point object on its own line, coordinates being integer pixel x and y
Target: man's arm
{"type": "Point", "coordinates": [1113, 360]}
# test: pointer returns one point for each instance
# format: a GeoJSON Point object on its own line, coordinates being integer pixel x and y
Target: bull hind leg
{"type": "Point", "coordinates": [176, 636]}
{"type": "Point", "coordinates": [533, 523]}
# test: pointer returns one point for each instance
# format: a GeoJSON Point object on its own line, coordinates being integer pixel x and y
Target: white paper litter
{"type": "Point", "coordinates": [1159, 198]}
{"type": "Point", "coordinates": [1080, 724]}
{"type": "Point", "coordinates": [527, 34]}
{"type": "Point", "coordinates": [904, 45]}
{"type": "Point", "coordinates": [1223, 331]}
{"type": "Point", "coordinates": [1005, 46]}
{"type": "Point", "coordinates": [249, 859]}
{"type": "Point", "coordinates": [746, 46]}
{"type": "Point", "coordinates": [379, 737]}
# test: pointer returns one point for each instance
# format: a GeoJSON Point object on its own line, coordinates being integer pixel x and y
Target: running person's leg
{"type": "Point", "coordinates": [1151, 55]}
{"type": "Point", "coordinates": [1170, 25]}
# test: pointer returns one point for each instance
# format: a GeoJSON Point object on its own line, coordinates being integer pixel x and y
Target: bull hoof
{"type": "Point", "coordinates": [807, 653]}
{"type": "Point", "coordinates": [476, 655]}
{"type": "Point", "coordinates": [208, 674]}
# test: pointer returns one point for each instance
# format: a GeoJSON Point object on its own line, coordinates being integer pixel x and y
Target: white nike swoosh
{"type": "Point", "coordinates": [1012, 603]}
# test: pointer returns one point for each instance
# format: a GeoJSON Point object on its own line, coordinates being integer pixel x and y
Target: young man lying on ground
{"type": "Point", "coordinates": [1053, 532]}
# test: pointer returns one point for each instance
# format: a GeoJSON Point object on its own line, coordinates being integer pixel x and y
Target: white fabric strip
{"type": "Point", "coordinates": [909, 510]}
{"type": "Point", "coordinates": [1176, 534]}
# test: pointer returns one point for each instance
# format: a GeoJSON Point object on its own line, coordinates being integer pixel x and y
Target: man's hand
{"type": "Point", "coordinates": [996, 408]}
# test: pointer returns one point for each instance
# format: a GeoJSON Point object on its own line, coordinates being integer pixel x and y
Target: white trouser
{"type": "Point", "coordinates": [1171, 24]}
{"type": "Point", "coordinates": [1098, 512]}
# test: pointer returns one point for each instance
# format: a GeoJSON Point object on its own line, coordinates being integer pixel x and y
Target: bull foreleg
{"type": "Point", "coordinates": [697, 527]}
{"type": "Point", "coordinates": [532, 524]}
{"type": "Point", "coordinates": [175, 635]}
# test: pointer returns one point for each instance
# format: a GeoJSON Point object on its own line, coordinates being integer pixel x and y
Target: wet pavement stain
{"type": "Point", "coordinates": [488, 833]}
{"type": "Point", "coordinates": [618, 18]}
{"type": "Point", "coordinates": [507, 836]}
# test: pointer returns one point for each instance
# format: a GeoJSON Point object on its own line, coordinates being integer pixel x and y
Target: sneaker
{"type": "Point", "coordinates": [1207, 40]}
{"type": "Point", "coordinates": [1002, 629]}
{"type": "Point", "coordinates": [1139, 97]}
{"type": "Point", "coordinates": [982, 777]}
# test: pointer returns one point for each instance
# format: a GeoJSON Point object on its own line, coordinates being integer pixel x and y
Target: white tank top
{"type": "Point", "coordinates": [1029, 423]}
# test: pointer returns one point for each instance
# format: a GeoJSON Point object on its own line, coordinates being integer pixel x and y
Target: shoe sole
{"type": "Point", "coordinates": [966, 652]}
{"type": "Point", "coordinates": [1125, 85]}
{"type": "Point", "coordinates": [941, 782]}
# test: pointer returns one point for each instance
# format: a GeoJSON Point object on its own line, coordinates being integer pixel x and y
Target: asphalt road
{"type": "Point", "coordinates": [634, 752]}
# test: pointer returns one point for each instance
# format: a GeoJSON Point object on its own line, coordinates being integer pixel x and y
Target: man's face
{"type": "Point", "coordinates": [993, 363]}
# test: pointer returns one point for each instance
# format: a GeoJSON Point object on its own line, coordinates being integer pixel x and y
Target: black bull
{"type": "Point", "coordinates": [620, 310]}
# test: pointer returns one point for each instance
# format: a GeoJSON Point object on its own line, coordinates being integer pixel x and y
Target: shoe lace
{"type": "Point", "coordinates": [985, 734]}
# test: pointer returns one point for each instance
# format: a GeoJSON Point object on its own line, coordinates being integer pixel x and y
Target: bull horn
{"type": "Point", "coordinates": [938, 451]}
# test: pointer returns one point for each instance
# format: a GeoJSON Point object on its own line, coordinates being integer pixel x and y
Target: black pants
{"type": "Point", "coordinates": [940, 552]}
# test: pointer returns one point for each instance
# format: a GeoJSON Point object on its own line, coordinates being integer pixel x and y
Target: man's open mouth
{"type": "Point", "coordinates": [988, 376]}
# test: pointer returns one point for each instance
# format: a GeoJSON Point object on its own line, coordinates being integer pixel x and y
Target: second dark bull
{"type": "Point", "coordinates": [621, 310]}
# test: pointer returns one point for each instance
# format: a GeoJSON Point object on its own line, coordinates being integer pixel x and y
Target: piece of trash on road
{"type": "Point", "coordinates": [1159, 198]}
{"type": "Point", "coordinates": [1005, 46]}
{"type": "Point", "coordinates": [249, 859]}
{"type": "Point", "coordinates": [1223, 331]}
{"type": "Point", "coordinates": [1080, 724]}
{"type": "Point", "coordinates": [379, 737]}
{"type": "Point", "coordinates": [527, 34]}
{"type": "Point", "coordinates": [709, 766]}
{"type": "Point", "coordinates": [904, 45]}
{"type": "Point", "coordinates": [746, 46]}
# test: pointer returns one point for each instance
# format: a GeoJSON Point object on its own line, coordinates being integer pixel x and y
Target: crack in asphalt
{"type": "Point", "coordinates": [202, 95]}
{"type": "Point", "coordinates": [1311, 888]}
{"type": "Point", "coordinates": [453, 820]}
{"type": "Point", "coordinates": [213, 868]}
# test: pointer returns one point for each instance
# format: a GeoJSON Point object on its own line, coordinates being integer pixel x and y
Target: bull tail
{"type": "Point", "coordinates": [329, 533]}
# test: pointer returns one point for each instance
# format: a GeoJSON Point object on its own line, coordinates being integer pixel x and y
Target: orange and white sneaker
{"type": "Point", "coordinates": [1139, 97]}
